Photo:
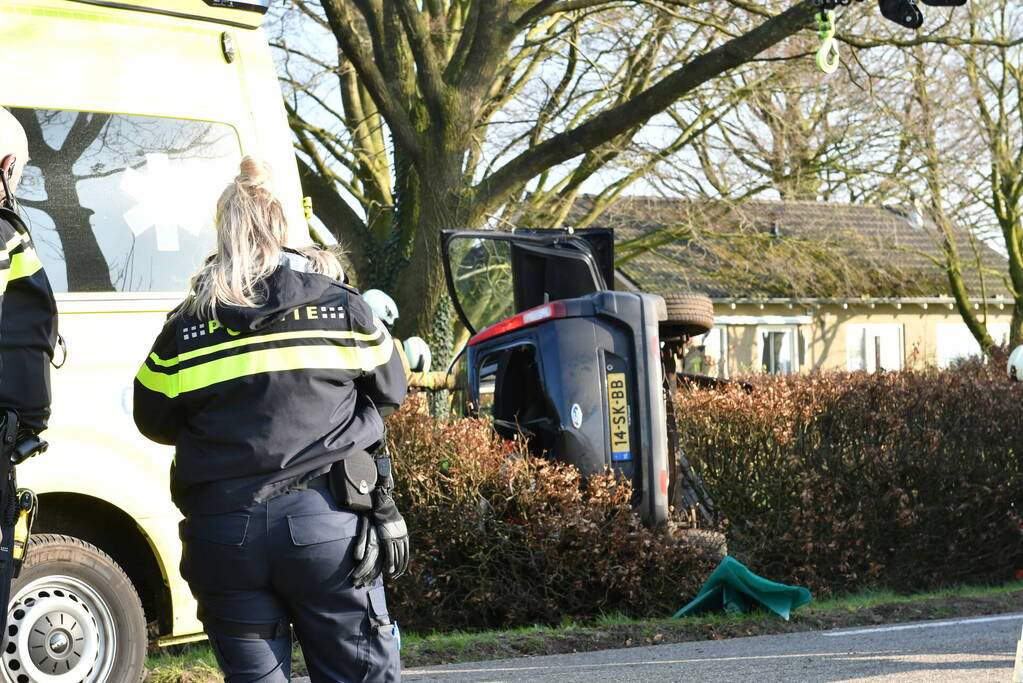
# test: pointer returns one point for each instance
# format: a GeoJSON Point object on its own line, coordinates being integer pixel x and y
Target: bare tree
{"type": "Point", "coordinates": [933, 121]}
{"type": "Point", "coordinates": [964, 129]}
{"type": "Point", "coordinates": [438, 114]}
{"type": "Point", "coordinates": [88, 271]}
{"type": "Point", "coordinates": [995, 76]}
{"type": "Point", "coordinates": [797, 133]}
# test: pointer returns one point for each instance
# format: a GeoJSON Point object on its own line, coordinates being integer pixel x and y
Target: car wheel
{"type": "Point", "coordinates": [73, 616]}
{"type": "Point", "coordinates": [689, 315]}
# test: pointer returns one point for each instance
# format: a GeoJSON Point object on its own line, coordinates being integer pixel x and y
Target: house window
{"type": "Point", "coordinates": [706, 354]}
{"type": "Point", "coordinates": [875, 346]}
{"type": "Point", "coordinates": [956, 342]}
{"type": "Point", "coordinates": [780, 348]}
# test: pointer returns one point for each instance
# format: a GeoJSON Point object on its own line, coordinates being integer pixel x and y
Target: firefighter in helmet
{"type": "Point", "coordinates": [414, 352]}
{"type": "Point", "coordinates": [1015, 365]}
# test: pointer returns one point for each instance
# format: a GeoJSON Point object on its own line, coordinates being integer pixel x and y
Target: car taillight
{"type": "Point", "coordinates": [555, 309]}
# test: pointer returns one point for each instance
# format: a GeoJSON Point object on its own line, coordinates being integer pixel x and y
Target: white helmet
{"type": "Point", "coordinates": [1015, 367]}
{"type": "Point", "coordinates": [418, 353]}
{"type": "Point", "coordinates": [383, 306]}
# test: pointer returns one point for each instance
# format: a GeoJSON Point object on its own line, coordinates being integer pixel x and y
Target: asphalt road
{"type": "Point", "coordinates": [976, 650]}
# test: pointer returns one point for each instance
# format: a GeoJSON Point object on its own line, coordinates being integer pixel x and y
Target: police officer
{"type": "Point", "coordinates": [270, 380]}
{"type": "Point", "coordinates": [28, 332]}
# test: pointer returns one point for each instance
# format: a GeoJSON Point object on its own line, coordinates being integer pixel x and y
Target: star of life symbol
{"type": "Point", "coordinates": [170, 196]}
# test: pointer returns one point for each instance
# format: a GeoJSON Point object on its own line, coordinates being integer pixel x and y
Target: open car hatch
{"type": "Point", "coordinates": [492, 275]}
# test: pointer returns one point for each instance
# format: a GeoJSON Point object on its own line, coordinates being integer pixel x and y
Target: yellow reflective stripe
{"type": "Point", "coordinates": [276, 336]}
{"type": "Point", "coordinates": [24, 263]}
{"type": "Point", "coordinates": [158, 381]}
{"type": "Point", "coordinates": [5, 261]}
{"type": "Point", "coordinates": [264, 360]}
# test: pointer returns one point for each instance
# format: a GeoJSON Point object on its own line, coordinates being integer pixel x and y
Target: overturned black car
{"type": "Point", "coordinates": [586, 372]}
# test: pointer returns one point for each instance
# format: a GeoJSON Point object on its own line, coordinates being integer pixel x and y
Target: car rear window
{"type": "Point", "coordinates": [481, 272]}
{"type": "Point", "coordinates": [125, 203]}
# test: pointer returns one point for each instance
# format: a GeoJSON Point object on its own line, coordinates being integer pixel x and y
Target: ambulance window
{"type": "Point", "coordinates": [125, 203]}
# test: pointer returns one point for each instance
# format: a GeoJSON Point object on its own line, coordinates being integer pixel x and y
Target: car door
{"type": "Point", "coordinates": [492, 275]}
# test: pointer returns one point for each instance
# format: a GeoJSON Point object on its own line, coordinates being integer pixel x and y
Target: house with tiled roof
{"type": "Point", "coordinates": [799, 285]}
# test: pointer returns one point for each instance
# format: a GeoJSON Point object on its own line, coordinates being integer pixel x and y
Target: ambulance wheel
{"type": "Point", "coordinates": [689, 315]}
{"type": "Point", "coordinates": [73, 616]}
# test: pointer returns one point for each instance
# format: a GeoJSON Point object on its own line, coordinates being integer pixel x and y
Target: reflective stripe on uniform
{"type": "Point", "coordinates": [265, 360]}
{"type": "Point", "coordinates": [24, 261]}
{"type": "Point", "coordinates": [5, 261]}
{"type": "Point", "coordinates": [248, 341]}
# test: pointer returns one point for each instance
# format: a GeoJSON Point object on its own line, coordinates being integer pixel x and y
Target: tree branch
{"type": "Point", "coordinates": [83, 133]}
{"type": "Point", "coordinates": [489, 44]}
{"type": "Point", "coordinates": [456, 63]}
{"type": "Point", "coordinates": [341, 24]}
{"type": "Point", "coordinates": [545, 8]}
{"type": "Point", "coordinates": [495, 189]}
{"type": "Point", "coordinates": [428, 70]}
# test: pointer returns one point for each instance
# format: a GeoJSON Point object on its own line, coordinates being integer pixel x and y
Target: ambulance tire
{"type": "Point", "coordinates": [689, 315]}
{"type": "Point", "coordinates": [66, 580]}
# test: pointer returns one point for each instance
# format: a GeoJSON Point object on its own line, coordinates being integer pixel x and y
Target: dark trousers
{"type": "Point", "coordinates": [287, 561]}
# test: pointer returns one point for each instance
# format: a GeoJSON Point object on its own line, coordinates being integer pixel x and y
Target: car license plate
{"type": "Point", "coordinates": [618, 405]}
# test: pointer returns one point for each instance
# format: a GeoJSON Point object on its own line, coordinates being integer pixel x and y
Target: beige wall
{"type": "Point", "coordinates": [825, 333]}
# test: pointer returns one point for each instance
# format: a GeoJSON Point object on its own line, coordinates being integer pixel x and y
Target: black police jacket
{"type": "Point", "coordinates": [28, 326]}
{"type": "Point", "coordinates": [266, 397]}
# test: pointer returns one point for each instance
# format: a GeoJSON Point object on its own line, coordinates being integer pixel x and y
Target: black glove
{"type": "Point", "coordinates": [390, 526]}
{"type": "Point", "coordinates": [367, 553]}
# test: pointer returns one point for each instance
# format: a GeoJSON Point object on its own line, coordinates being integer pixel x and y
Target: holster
{"type": "Point", "coordinates": [353, 480]}
{"type": "Point", "coordinates": [8, 483]}
{"type": "Point", "coordinates": [8, 509]}
{"type": "Point", "coordinates": [8, 442]}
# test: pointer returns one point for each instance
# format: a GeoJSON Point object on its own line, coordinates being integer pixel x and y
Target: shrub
{"type": "Point", "coordinates": [503, 539]}
{"type": "Point", "coordinates": [842, 481]}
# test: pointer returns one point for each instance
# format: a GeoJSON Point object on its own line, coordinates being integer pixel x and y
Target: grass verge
{"type": "Point", "coordinates": [195, 664]}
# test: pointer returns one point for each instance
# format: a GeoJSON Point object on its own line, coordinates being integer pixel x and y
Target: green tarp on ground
{"type": "Point", "coordinates": [734, 589]}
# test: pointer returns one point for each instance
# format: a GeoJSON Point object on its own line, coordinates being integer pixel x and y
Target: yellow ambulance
{"type": "Point", "coordinates": [137, 114]}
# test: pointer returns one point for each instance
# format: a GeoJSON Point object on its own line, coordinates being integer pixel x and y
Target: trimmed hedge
{"type": "Point", "coordinates": [839, 482]}
{"type": "Point", "coordinates": [501, 539]}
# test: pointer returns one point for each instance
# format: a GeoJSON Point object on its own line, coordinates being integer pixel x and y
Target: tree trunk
{"type": "Point", "coordinates": [87, 268]}
{"type": "Point", "coordinates": [420, 285]}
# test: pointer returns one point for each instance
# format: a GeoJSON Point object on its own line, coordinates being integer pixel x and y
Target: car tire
{"type": "Point", "coordinates": [689, 315]}
{"type": "Point", "coordinates": [71, 594]}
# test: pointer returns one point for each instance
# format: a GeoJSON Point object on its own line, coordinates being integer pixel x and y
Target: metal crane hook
{"type": "Point", "coordinates": [827, 55]}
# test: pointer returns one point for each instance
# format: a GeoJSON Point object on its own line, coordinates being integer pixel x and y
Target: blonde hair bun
{"type": "Point", "coordinates": [251, 229]}
{"type": "Point", "coordinates": [254, 173]}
